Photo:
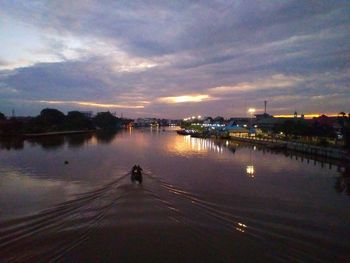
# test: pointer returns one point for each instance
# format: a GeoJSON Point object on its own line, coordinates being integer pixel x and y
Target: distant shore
{"type": "Point", "coordinates": [29, 135]}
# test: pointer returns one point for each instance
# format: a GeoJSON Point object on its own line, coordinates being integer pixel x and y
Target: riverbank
{"type": "Point", "coordinates": [299, 147]}
{"type": "Point", "coordinates": [30, 135]}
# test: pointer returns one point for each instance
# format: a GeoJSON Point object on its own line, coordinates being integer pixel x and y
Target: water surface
{"type": "Point", "coordinates": [201, 201]}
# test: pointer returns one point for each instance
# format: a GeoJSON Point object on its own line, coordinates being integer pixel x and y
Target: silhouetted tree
{"type": "Point", "coordinates": [51, 118]}
{"type": "Point", "coordinates": [11, 127]}
{"type": "Point", "coordinates": [106, 120]}
{"type": "Point", "coordinates": [341, 119]}
{"type": "Point", "coordinates": [293, 127]}
{"type": "Point", "coordinates": [322, 130]}
{"type": "Point", "coordinates": [2, 116]}
{"type": "Point", "coordinates": [77, 120]}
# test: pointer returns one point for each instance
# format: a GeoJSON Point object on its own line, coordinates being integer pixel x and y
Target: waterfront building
{"type": "Point", "coordinates": [241, 121]}
{"type": "Point", "coordinates": [235, 130]}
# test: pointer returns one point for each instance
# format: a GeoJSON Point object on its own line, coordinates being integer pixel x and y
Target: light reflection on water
{"type": "Point", "coordinates": [186, 145]}
{"type": "Point", "coordinates": [197, 189]}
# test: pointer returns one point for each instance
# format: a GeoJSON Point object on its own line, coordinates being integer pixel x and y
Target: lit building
{"type": "Point", "coordinates": [234, 130]}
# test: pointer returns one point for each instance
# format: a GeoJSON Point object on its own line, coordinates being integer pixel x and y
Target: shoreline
{"type": "Point", "coordinates": [31, 135]}
{"type": "Point", "coordinates": [274, 144]}
{"type": "Point", "coordinates": [327, 152]}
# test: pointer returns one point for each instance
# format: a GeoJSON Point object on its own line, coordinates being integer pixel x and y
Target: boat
{"type": "Point", "coordinates": [182, 132]}
{"type": "Point", "coordinates": [186, 132]}
{"type": "Point", "coordinates": [136, 176]}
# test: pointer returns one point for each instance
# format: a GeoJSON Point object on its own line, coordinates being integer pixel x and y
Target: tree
{"type": "Point", "coordinates": [51, 117]}
{"type": "Point", "coordinates": [342, 113]}
{"type": "Point", "coordinates": [2, 116]}
{"type": "Point", "coordinates": [77, 120]}
{"type": "Point", "coordinates": [106, 120]}
{"type": "Point", "coordinates": [11, 127]}
{"type": "Point", "coordinates": [341, 119]}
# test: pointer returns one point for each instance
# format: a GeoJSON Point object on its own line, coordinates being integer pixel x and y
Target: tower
{"type": "Point", "coordinates": [265, 103]}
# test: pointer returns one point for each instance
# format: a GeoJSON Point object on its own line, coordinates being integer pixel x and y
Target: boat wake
{"type": "Point", "coordinates": [41, 237]}
{"type": "Point", "coordinates": [216, 221]}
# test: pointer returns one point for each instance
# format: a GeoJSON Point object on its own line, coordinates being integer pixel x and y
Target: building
{"type": "Point", "coordinates": [240, 121]}
{"type": "Point", "coordinates": [235, 130]}
{"type": "Point", "coordinates": [146, 122]}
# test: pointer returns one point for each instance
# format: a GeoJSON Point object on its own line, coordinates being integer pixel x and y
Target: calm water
{"type": "Point", "coordinates": [201, 201]}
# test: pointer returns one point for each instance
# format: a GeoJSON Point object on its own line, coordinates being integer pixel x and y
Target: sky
{"type": "Point", "coordinates": [174, 59]}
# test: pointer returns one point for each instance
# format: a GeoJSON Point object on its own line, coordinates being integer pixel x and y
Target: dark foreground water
{"type": "Point", "coordinates": [201, 201]}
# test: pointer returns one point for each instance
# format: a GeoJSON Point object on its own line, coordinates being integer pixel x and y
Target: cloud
{"type": "Point", "coordinates": [184, 98]}
{"type": "Point", "coordinates": [91, 104]}
{"type": "Point", "coordinates": [167, 53]}
{"type": "Point", "coordinates": [272, 82]}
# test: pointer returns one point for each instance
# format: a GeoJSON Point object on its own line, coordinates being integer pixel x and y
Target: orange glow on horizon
{"type": "Point", "coordinates": [307, 116]}
{"type": "Point", "coordinates": [91, 104]}
{"type": "Point", "coordinates": [184, 98]}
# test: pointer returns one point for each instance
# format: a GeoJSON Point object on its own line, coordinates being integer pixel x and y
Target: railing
{"type": "Point", "coordinates": [297, 146]}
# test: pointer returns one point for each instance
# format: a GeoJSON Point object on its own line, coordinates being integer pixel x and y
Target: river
{"type": "Point", "coordinates": [70, 199]}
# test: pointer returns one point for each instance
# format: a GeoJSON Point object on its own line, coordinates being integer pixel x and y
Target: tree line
{"type": "Point", "coordinates": [53, 120]}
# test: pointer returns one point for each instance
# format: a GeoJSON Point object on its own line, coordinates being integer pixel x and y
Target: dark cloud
{"type": "Point", "coordinates": [132, 51]}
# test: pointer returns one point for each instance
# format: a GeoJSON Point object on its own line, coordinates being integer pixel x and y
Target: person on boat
{"type": "Point", "coordinates": [139, 169]}
{"type": "Point", "coordinates": [136, 173]}
{"type": "Point", "coordinates": [134, 169]}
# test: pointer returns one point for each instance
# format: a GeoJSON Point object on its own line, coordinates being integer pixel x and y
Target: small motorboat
{"type": "Point", "coordinates": [136, 175]}
{"type": "Point", "coordinates": [184, 132]}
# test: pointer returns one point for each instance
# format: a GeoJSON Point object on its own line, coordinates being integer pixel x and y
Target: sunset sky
{"type": "Point", "coordinates": [174, 59]}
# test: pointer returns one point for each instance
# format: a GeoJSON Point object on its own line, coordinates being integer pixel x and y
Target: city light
{"type": "Point", "coordinates": [251, 111]}
{"type": "Point", "coordinates": [250, 170]}
{"type": "Point", "coordinates": [306, 116]}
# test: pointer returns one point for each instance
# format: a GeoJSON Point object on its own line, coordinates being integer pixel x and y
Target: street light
{"type": "Point", "coordinates": [251, 111]}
